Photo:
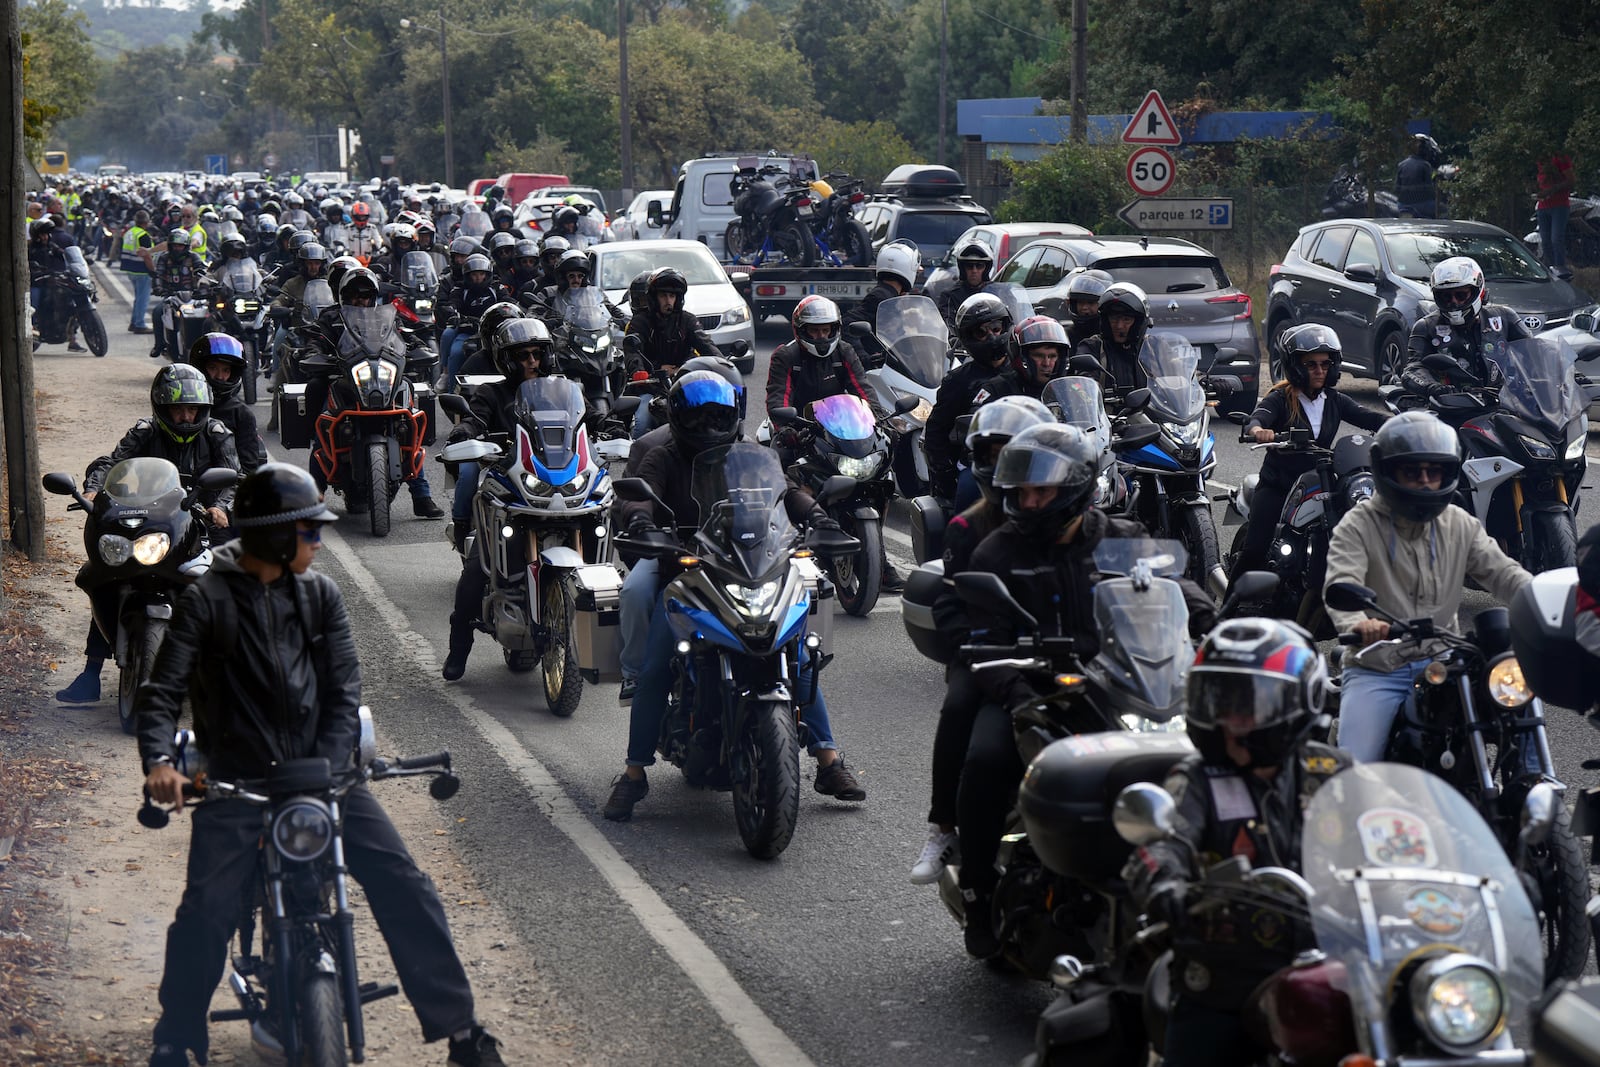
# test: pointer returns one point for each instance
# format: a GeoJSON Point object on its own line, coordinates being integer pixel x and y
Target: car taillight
{"type": "Point", "coordinates": [1237, 298]}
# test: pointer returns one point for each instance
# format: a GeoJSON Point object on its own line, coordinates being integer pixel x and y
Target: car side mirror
{"type": "Point", "coordinates": [1585, 321]}
{"type": "Point", "coordinates": [985, 590]}
{"type": "Point", "coordinates": [1361, 272]}
{"type": "Point", "coordinates": [739, 277]}
{"type": "Point", "coordinates": [1144, 814]}
{"type": "Point", "coordinates": [1349, 596]}
{"type": "Point", "coordinates": [653, 215]}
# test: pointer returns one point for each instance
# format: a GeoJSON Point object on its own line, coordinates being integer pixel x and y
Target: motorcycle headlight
{"type": "Point", "coordinates": [1185, 433]}
{"type": "Point", "coordinates": [365, 374]}
{"type": "Point", "coordinates": [1459, 1002]}
{"type": "Point", "coordinates": [114, 550]}
{"type": "Point", "coordinates": [151, 548]}
{"type": "Point", "coordinates": [859, 469]}
{"type": "Point", "coordinates": [1139, 725]}
{"type": "Point", "coordinates": [575, 486]}
{"type": "Point", "coordinates": [1574, 449]}
{"type": "Point", "coordinates": [422, 305]}
{"type": "Point", "coordinates": [302, 830]}
{"type": "Point", "coordinates": [537, 486]}
{"type": "Point", "coordinates": [735, 315]}
{"type": "Point", "coordinates": [240, 306]}
{"type": "Point", "coordinates": [1506, 685]}
{"type": "Point", "coordinates": [754, 599]}
{"type": "Point", "coordinates": [1537, 448]}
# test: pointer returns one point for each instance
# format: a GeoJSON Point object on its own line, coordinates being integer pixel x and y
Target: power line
{"type": "Point", "coordinates": [1014, 29]}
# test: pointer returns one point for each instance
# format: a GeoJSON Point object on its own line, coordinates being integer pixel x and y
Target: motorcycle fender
{"type": "Point", "coordinates": [561, 556]}
{"type": "Point", "coordinates": [1486, 474]}
{"type": "Point", "coordinates": [1239, 501]}
{"type": "Point", "coordinates": [865, 513]}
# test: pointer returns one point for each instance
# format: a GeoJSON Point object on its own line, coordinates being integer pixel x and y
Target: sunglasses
{"type": "Point", "coordinates": [1457, 296]}
{"type": "Point", "coordinates": [312, 536]}
{"type": "Point", "coordinates": [1316, 364]}
{"type": "Point", "coordinates": [1421, 472]}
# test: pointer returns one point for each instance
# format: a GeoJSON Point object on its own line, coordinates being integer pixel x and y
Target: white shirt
{"type": "Point", "coordinates": [1313, 410]}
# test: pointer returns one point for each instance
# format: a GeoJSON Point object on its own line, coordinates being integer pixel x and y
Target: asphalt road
{"type": "Point", "coordinates": [663, 936]}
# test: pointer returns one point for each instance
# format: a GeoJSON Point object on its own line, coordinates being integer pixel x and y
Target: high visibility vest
{"type": "Point", "coordinates": [198, 244]}
{"type": "Point", "coordinates": [74, 205]}
{"type": "Point", "coordinates": [132, 262]}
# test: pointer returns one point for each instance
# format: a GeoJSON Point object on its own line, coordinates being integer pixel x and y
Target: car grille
{"type": "Point", "coordinates": [710, 322]}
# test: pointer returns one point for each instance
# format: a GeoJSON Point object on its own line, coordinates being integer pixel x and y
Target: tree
{"type": "Point", "coordinates": [861, 149]}
{"type": "Point", "coordinates": [853, 50]}
{"type": "Point", "coordinates": [59, 68]}
{"type": "Point", "coordinates": [1078, 183]}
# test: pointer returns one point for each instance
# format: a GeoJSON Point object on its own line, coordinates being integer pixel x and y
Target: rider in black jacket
{"type": "Point", "coordinates": [896, 268]}
{"type": "Point", "coordinates": [983, 327]}
{"type": "Point", "coordinates": [220, 358]}
{"type": "Point", "coordinates": [669, 335]}
{"type": "Point", "coordinates": [1085, 287]}
{"type": "Point", "coordinates": [1038, 348]}
{"type": "Point", "coordinates": [262, 647]}
{"type": "Point", "coordinates": [1124, 321]}
{"type": "Point", "coordinates": [974, 264]}
{"type": "Point", "coordinates": [1467, 328]}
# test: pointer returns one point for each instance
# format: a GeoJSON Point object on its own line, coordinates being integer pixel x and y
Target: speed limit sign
{"type": "Point", "coordinates": [1150, 171]}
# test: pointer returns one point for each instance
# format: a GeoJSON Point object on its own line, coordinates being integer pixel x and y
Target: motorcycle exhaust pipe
{"type": "Point", "coordinates": [1217, 582]}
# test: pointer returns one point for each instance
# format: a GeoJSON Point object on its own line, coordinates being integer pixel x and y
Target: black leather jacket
{"type": "Point", "coordinates": [668, 342]}
{"type": "Point", "coordinates": [953, 400]}
{"type": "Point", "coordinates": [796, 378]}
{"type": "Point", "coordinates": [1477, 347]}
{"type": "Point", "coordinates": [1120, 362]}
{"type": "Point", "coordinates": [213, 448]}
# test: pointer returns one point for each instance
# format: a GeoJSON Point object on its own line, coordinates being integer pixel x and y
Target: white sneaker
{"type": "Point", "coordinates": [942, 850]}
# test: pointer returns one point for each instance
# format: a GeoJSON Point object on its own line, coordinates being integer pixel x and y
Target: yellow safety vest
{"type": "Point", "coordinates": [132, 262]}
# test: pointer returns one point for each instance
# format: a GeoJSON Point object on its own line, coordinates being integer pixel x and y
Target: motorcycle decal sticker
{"type": "Point", "coordinates": [1437, 913]}
{"type": "Point", "coordinates": [1196, 978]}
{"type": "Point", "coordinates": [1495, 323]}
{"type": "Point", "coordinates": [1230, 798]}
{"type": "Point", "coordinates": [1267, 927]}
{"type": "Point", "coordinates": [1394, 838]}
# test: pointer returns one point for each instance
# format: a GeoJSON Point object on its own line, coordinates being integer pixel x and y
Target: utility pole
{"type": "Point", "coordinates": [24, 523]}
{"type": "Point", "coordinates": [1080, 71]}
{"type": "Point", "coordinates": [444, 80]}
{"type": "Point", "coordinates": [625, 145]}
{"type": "Point", "coordinates": [944, 68]}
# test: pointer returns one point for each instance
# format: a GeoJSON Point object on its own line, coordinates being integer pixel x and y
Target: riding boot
{"type": "Point", "coordinates": [455, 664]}
{"type": "Point", "coordinates": [85, 688]}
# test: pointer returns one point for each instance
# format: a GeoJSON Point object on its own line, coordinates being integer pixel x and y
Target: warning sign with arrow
{"type": "Point", "coordinates": [1152, 123]}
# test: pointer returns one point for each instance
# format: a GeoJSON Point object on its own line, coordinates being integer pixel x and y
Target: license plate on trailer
{"type": "Point", "coordinates": [835, 289]}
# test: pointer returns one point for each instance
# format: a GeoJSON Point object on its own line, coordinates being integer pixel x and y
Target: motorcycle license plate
{"type": "Point", "coordinates": [804, 212]}
{"type": "Point", "coordinates": [845, 289]}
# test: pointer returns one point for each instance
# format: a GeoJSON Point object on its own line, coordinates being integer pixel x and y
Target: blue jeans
{"type": "Point", "coordinates": [634, 606]}
{"type": "Point", "coordinates": [650, 699]}
{"type": "Point", "coordinates": [455, 356]}
{"type": "Point", "coordinates": [967, 491]}
{"type": "Point", "coordinates": [141, 300]}
{"type": "Point", "coordinates": [1553, 234]}
{"type": "Point", "coordinates": [642, 422]}
{"type": "Point", "coordinates": [466, 487]}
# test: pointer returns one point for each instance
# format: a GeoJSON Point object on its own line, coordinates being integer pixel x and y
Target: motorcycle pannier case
{"type": "Point", "coordinates": [916, 613]}
{"type": "Point", "coordinates": [1067, 794]}
{"type": "Point", "coordinates": [597, 623]}
{"type": "Point", "coordinates": [428, 404]}
{"type": "Point", "coordinates": [295, 417]}
{"type": "Point", "coordinates": [819, 618]}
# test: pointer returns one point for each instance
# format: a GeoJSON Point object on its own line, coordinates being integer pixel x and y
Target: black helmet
{"type": "Point", "coordinates": [992, 427]}
{"type": "Point", "coordinates": [974, 252]}
{"type": "Point", "coordinates": [1128, 299]}
{"type": "Point", "coordinates": [268, 504]}
{"type": "Point", "coordinates": [502, 214]}
{"type": "Point", "coordinates": [511, 341]}
{"type": "Point", "coordinates": [980, 310]}
{"type": "Point", "coordinates": [1415, 437]}
{"type": "Point", "coordinates": [1259, 682]}
{"type": "Point", "coordinates": [668, 280]}
{"type": "Point", "coordinates": [718, 365]}
{"type": "Point", "coordinates": [703, 410]}
{"type": "Point", "coordinates": [221, 346]}
{"type": "Point", "coordinates": [300, 239]}
{"type": "Point", "coordinates": [495, 316]}
{"type": "Point", "coordinates": [284, 234]}
{"type": "Point", "coordinates": [573, 260]}
{"type": "Point", "coordinates": [639, 291]}
{"type": "Point", "coordinates": [464, 246]}
{"type": "Point", "coordinates": [565, 214]}
{"type": "Point", "coordinates": [1085, 283]}
{"type": "Point", "coordinates": [477, 263]}
{"type": "Point", "coordinates": [1297, 342]}
{"type": "Point", "coordinates": [41, 228]}
{"type": "Point", "coordinates": [176, 239]}
{"type": "Point", "coordinates": [526, 248]}
{"type": "Point", "coordinates": [1030, 333]}
{"type": "Point", "coordinates": [358, 283]}
{"type": "Point", "coordinates": [180, 384]}
{"type": "Point", "coordinates": [555, 246]}
{"type": "Point", "coordinates": [1043, 456]}
{"type": "Point", "coordinates": [234, 247]}
{"type": "Point", "coordinates": [336, 270]}
{"type": "Point", "coordinates": [502, 246]}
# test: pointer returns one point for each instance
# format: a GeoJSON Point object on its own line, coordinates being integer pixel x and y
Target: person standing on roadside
{"type": "Point", "coordinates": [1557, 178]}
{"type": "Point", "coordinates": [138, 262]}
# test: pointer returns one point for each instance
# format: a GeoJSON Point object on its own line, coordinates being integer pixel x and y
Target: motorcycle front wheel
{"type": "Point", "coordinates": [859, 576]}
{"type": "Point", "coordinates": [563, 685]}
{"type": "Point", "coordinates": [143, 644]}
{"type": "Point", "coordinates": [252, 371]}
{"type": "Point", "coordinates": [735, 241]}
{"type": "Point", "coordinates": [94, 331]}
{"type": "Point", "coordinates": [321, 1022]}
{"type": "Point", "coordinates": [766, 778]}
{"type": "Point", "coordinates": [1563, 882]}
{"type": "Point", "coordinates": [378, 490]}
{"type": "Point", "coordinates": [1550, 541]}
{"type": "Point", "coordinates": [1198, 533]}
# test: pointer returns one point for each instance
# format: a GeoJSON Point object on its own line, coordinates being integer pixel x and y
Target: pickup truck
{"type": "Point", "coordinates": [701, 210]}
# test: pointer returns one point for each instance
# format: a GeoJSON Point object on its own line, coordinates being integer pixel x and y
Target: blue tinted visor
{"type": "Point", "coordinates": [225, 345]}
{"type": "Point", "coordinates": [710, 390]}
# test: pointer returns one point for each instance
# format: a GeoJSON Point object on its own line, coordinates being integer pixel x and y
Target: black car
{"type": "Point", "coordinates": [925, 205]}
{"type": "Point", "coordinates": [1188, 289]}
{"type": "Point", "coordinates": [1368, 280]}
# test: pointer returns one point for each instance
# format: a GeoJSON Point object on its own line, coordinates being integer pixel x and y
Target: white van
{"type": "Point", "coordinates": [702, 202]}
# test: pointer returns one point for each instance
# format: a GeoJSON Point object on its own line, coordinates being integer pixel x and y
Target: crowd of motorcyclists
{"type": "Point", "coordinates": [1022, 491]}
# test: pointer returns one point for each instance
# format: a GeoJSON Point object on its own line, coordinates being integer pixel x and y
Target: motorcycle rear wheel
{"type": "Point", "coordinates": [94, 332]}
{"type": "Point", "coordinates": [563, 685]}
{"type": "Point", "coordinates": [766, 779]}
{"type": "Point", "coordinates": [854, 244]}
{"type": "Point", "coordinates": [860, 576]}
{"type": "Point", "coordinates": [796, 244]}
{"type": "Point", "coordinates": [379, 492]}
{"type": "Point", "coordinates": [735, 241]}
{"type": "Point", "coordinates": [143, 645]}
{"type": "Point", "coordinates": [321, 1022]}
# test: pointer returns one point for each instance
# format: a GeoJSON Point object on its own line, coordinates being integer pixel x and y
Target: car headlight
{"type": "Point", "coordinates": [365, 375]}
{"type": "Point", "coordinates": [735, 315]}
{"type": "Point", "coordinates": [302, 830]}
{"type": "Point", "coordinates": [1458, 1002]}
{"type": "Point", "coordinates": [114, 550]}
{"type": "Point", "coordinates": [1574, 449]}
{"type": "Point", "coordinates": [1506, 684]}
{"type": "Point", "coordinates": [859, 469]}
{"type": "Point", "coordinates": [754, 599]}
{"type": "Point", "coordinates": [151, 548]}
{"type": "Point", "coordinates": [1185, 433]}
{"type": "Point", "coordinates": [1537, 448]}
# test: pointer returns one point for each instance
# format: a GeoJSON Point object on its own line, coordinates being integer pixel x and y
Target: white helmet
{"type": "Point", "coordinates": [898, 261]}
{"type": "Point", "coordinates": [1458, 273]}
{"type": "Point", "coordinates": [817, 311]}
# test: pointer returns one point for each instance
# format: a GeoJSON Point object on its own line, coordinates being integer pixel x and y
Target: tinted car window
{"type": "Point", "coordinates": [1330, 250]}
{"type": "Point", "coordinates": [1159, 275]}
{"type": "Point", "coordinates": [1363, 250]}
{"type": "Point", "coordinates": [1020, 264]}
{"type": "Point", "coordinates": [1500, 256]}
{"type": "Point", "coordinates": [932, 231]}
{"type": "Point", "coordinates": [1052, 266]}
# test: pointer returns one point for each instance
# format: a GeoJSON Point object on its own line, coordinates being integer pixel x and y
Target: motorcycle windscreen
{"type": "Point", "coordinates": [418, 274]}
{"type": "Point", "coordinates": [143, 482]}
{"type": "Point", "coordinates": [241, 276]}
{"type": "Point", "coordinates": [370, 332]}
{"type": "Point", "coordinates": [1540, 384]}
{"type": "Point", "coordinates": [473, 224]}
{"type": "Point", "coordinates": [1014, 297]}
{"type": "Point", "coordinates": [551, 411]}
{"type": "Point", "coordinates": [75, 264]}
{"type": "Point", "coordinates": [1170, 363]}
{"type": "Point", "coordinates": [739, 489]}
{"type": "Point", "coordinates": [582, 309]}
{"type": "Point", "coordinates": [1400, 863]}
{"type": "Point", "coordinates": [912, 328]}
{"type": "Point", "coordinates": [1078, 401]}
{"type": "Point", "coordinates": [1163, 557]}
{"type": "Point", "coordinates": [317, 296]}
{"type": "Point", "coordinates": [1145, 640]}
{"type": "Point", "coordinates": [848, 422]}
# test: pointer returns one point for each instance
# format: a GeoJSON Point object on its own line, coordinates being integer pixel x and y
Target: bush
{"type": "Point", "coordinates": [1081, 184]}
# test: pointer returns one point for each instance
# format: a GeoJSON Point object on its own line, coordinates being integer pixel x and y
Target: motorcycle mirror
{"type": "Point", "coordinates": [638, 491]}
{"type": "Point", "coordinates": [985, 590]}
{"type": "Point", "coordinates": [151, 816]}
{"type": "Point", "coordinates": [739, 349]}
{"type": "Point", "coordinates": [1085, 364]}
{"type": "Point", "coordinates": [215, 478]}
{"type": "Point", "coordinates": [783, 416]}
{"type": "Point", "coordinates": [1225, 355]}
{"type": "Point", "coordinates": [278, 314]}
{"type": "Point", "coordinates": [367, 738]}
{"type": "Point", "coordinates": [1238, 418]}
{"type": "Point", "coordinates": [444, 786]}
{"type": "Point", "coordinates": [1538, 814]}
{"type": "Point", "coordinates": [455, 404]}
{"type": "Point", "coordinates": [859, 329]}
{"type": "Point", "coordinates": [1349, 596]}
{"type": "Point", "coordinates": [836, 488]}
{"type": "Point", "coordinates": [1144, 814]}
{"type": "Point", "coordinates": [1133, 438]}
{"type": "Point", "coordinates": [633, 343]}
{"type": "Point", "coordinates": [1137, 400]}
{"type": "Point", "coordinates": [1249, 586]}
{"type": "Point", "coordinates": [60, 484]}
{"type": "Point", "coordinates": [906, 403]}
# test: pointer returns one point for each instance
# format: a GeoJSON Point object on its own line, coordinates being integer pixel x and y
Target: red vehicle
{"type": "Point", "coordinates": [518, 185]}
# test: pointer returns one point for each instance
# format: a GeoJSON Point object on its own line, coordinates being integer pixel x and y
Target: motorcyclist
{"type": "Point", "coordinates": [365, 240]}
{"type": "Point", "coordinates": [1416, 550]}
{"type": "Point", "coordinates": [983, 328]}
{"type": "Point", "coordinates": [180, 429]}
{"type": "Point", "coordinates": [1466, 327]}
{"type": "Point", "coordinates": [427, 236]}
{"type": "Point", "coordinates": [220, 358]}
{"type": "Point", "coordinates": [233, 248]}
{"type": "Point", "coordinates": [704, 412]}
{"type": "Point", "coordinates": [524, 264]}
{"type": "Point", "coordinates": [294, 211]}
{"type": "Point", "coordinates": [281, 254]}
{"type": "Point", "coordinates": [992, 426]}
{"type": "Point", "coordinates": [1414, 186]}
{"type": "Point", "coordinates": [1085, 287]}
{"type": "Point", "coordinates": [1044, 553]}
{"type": "Point", "coordinates": [1124, 321]}
{"type": "Point", "coordinates": [402, 241]}
{"type": "Point", "coordinates": [896, 268]}
{"type": "Point", "coordinates": [974, 265]}
{"type": "Point", "coordinates": [45, 258]}
{"type": "Point", "coordinates": [668, 335]}
{"type": "Point", "coordinates": [502, 246]}
{"type": "Point", "coordinates": [575, 272]}
{"type": "Point", "coordinates": [288, 692]}
{"type": "Point", "coordinates": [503, 219]}
{"type": "Point", "coordinates": [550, 254]}
{"type": "Point", "coordinates": [178, 270]}
{"type": "Point", "coordinates": [1038, 350]}
{"type": "Point", "coordinates": [1253, 694]}
{"type": "Point", "coordinates": [477, 291]}
{"type": "Point", "coordinates": [1306, 397]}
{"type": "Point", "coordinates": [818, 363]}
{"type": "Point", "coordinates": [564, 224]}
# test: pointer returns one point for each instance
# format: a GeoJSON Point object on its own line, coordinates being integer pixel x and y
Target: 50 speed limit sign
{"type": "Point", "coordinates": [1150, 171]}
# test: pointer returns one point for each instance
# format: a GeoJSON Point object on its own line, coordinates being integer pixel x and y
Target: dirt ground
{"type": "Point", "coordinates": [86, 893]}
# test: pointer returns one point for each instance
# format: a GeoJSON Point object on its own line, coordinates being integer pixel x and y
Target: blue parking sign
{"type": "Point", "coordinates": [1219, 213]}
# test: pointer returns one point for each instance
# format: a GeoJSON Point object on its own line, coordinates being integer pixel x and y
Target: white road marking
{"type": "Point", "coordinates": [115, 283]}
{"type": "Point", "coordinates": [760, 1036]}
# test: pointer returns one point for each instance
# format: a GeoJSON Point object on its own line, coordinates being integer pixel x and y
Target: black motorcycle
{"type": "Point", "coordinates": [299, 988]}
{"type": "Point", "coordinates": [841, 239]}
{"type": "Point", "coordinates": [1346, 197]}
{"type": "Point", "coordinates": [238, 308]}
{"type": "Point", "coordinates": [1473, 695]}
{"type": "Point", "coordinates": [67, 302]}
{"type": "Point", "coordinates": [772, 206]}
{"type": "Point", "coordinates": [146, 538]}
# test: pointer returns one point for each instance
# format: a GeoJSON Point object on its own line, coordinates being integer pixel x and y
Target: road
{"type": "Point", "coordinates": [662, 933]}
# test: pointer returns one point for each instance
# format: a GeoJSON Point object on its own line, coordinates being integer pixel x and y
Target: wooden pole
{"type": "Point", "coordinates": [1080, 71]}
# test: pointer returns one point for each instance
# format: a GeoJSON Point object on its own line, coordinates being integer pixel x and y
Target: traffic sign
{"type": "Point", "coordinates": [216, 164]}
{"type": "Point", "coordinates": [1147, 214]}
{"type": "Point", "coordinates": [270, 160]}
{"type": "Point", "coordinates": [1152, 124]}
{"type": "Point", "coordinates": [1150, 171]}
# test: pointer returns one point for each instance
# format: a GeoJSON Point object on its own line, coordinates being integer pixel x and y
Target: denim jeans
{"type": "Point", "coordinates": [466, 488]}
{"type": "Point", "coordinates": [642, 422]}
{"type": "Point", "coordinates": [447, 339]}
{"type": "Point", "coordinates": [457, 356]}
{"type": "Point", "coordinates": [140, 316]}
{"type": "Point", "coordinates": [634, 605]}
{"type": "Point", "coordinates": [650, 699]}
{"type": "Point", "coordinates": [1368, 703]}
{"type": "Point", "coordinates": [1553, 234]}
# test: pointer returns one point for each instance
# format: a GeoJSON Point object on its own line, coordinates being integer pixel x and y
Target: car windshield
{"type": "Point", "coordinates": [933, 232]}
{"type": "Point", "coordinates": [1168, 275]}
{"type": "Point", "coordinates": [1500, 256]}
{"type": "Point", "coordinates": [696, 265]}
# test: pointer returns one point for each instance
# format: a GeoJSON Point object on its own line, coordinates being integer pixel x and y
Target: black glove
{"type": "Point", "coordinates": [787, 437]}
{"type": "Point", "coordinates": [462, 432]}
{"type": "Point", "coordinates": [826, 523]}
{"type": "Point", "coordinates": [1168, 902]}
{"type": "Point", "coordinates": [942, 483]}
{"type": "Point", "coordinates": [1440, 389]}
{"type": "Point", "coordinates": [640, 525]}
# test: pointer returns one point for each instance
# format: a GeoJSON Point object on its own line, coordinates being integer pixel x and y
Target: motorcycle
{"type": "Point", "coordinates": [1346, 196]}
{"type": "Point", "coordinates": [841, 239]}
{"type": "Point", "coordinates": [842, 437]}
{"type": "Point", "coordinates": [583, 347]}
{"type": "Point", "coordinates": [1078, 401]}
{"type": "Point", "coordinates": [540, 531]}
{"type": "Point", "coordinates": [146, 539]}
{"type": "Point", "coordinates": [914, 358]}
{"type": "Point", "coordinates": [238, 309]}
{"type": "Point", "coordinates": [414, 304]}
{"type": "Point", "coordinates": [738, 612]}
{"type": "Point", "coordinates": [1321, 497]}
{"type": "Point", "coordinates": [67, 302]}
{"type": "Point", "coordinates": [1524, 447]}
{"type": "Point", "coordinates": [1471, 695]}
{"type": "Point", "coordinates": [1583, 233]}
{"type": "Point", "coordinates": [1426, 947]}
{"type": "Point", "coordinates": [186, 317]}
{"type": "Point", "coordinates": [774, 209]}
{"type": "Point", "coordinates": [300, 987]}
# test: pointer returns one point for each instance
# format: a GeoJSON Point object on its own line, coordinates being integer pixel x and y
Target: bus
{"type": "Point", "coordinates": [55, 162]}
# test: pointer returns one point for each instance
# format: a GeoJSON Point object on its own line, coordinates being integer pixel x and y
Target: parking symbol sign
{"type": "Point", "coordinates": [1219, 213]}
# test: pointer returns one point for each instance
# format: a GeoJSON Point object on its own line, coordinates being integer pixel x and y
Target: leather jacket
{"type": "Point", "coordinates": [668, 342]}
{"type": "Point", "coordinates": [796, 378]}
{"type": "Point", "coordinates": [214, 447]}
{"type": "Point", "coordinates": [1476, 347]}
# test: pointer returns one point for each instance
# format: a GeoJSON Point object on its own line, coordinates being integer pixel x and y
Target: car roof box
{"type": "Point", "coordinates": [923, 181]}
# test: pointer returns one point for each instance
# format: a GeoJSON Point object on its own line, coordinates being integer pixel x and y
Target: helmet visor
{"type": "Point", "coordinates": [1018, 467]}
{"type": "Point", "coordinates": [1240, 702]}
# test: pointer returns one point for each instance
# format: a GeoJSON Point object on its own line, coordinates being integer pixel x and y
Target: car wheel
{"type": "Point", "coordinates": [1275, 348]}
{"type": "Point", "coordinates": [1390, 358]}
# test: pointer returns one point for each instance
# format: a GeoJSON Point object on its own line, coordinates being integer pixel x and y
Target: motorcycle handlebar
{"type": "Point", "coordinates": [413, 763]}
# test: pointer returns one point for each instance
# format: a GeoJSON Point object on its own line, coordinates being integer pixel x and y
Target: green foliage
{"type": "Point", "coordinates": [1081, 184]}
{"type": "Point", "coordinates": [58, 72]}
{"type": "Point", "coordinates": [852, 49]}
{"type": "Point", "coordinates": [861, 149]}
